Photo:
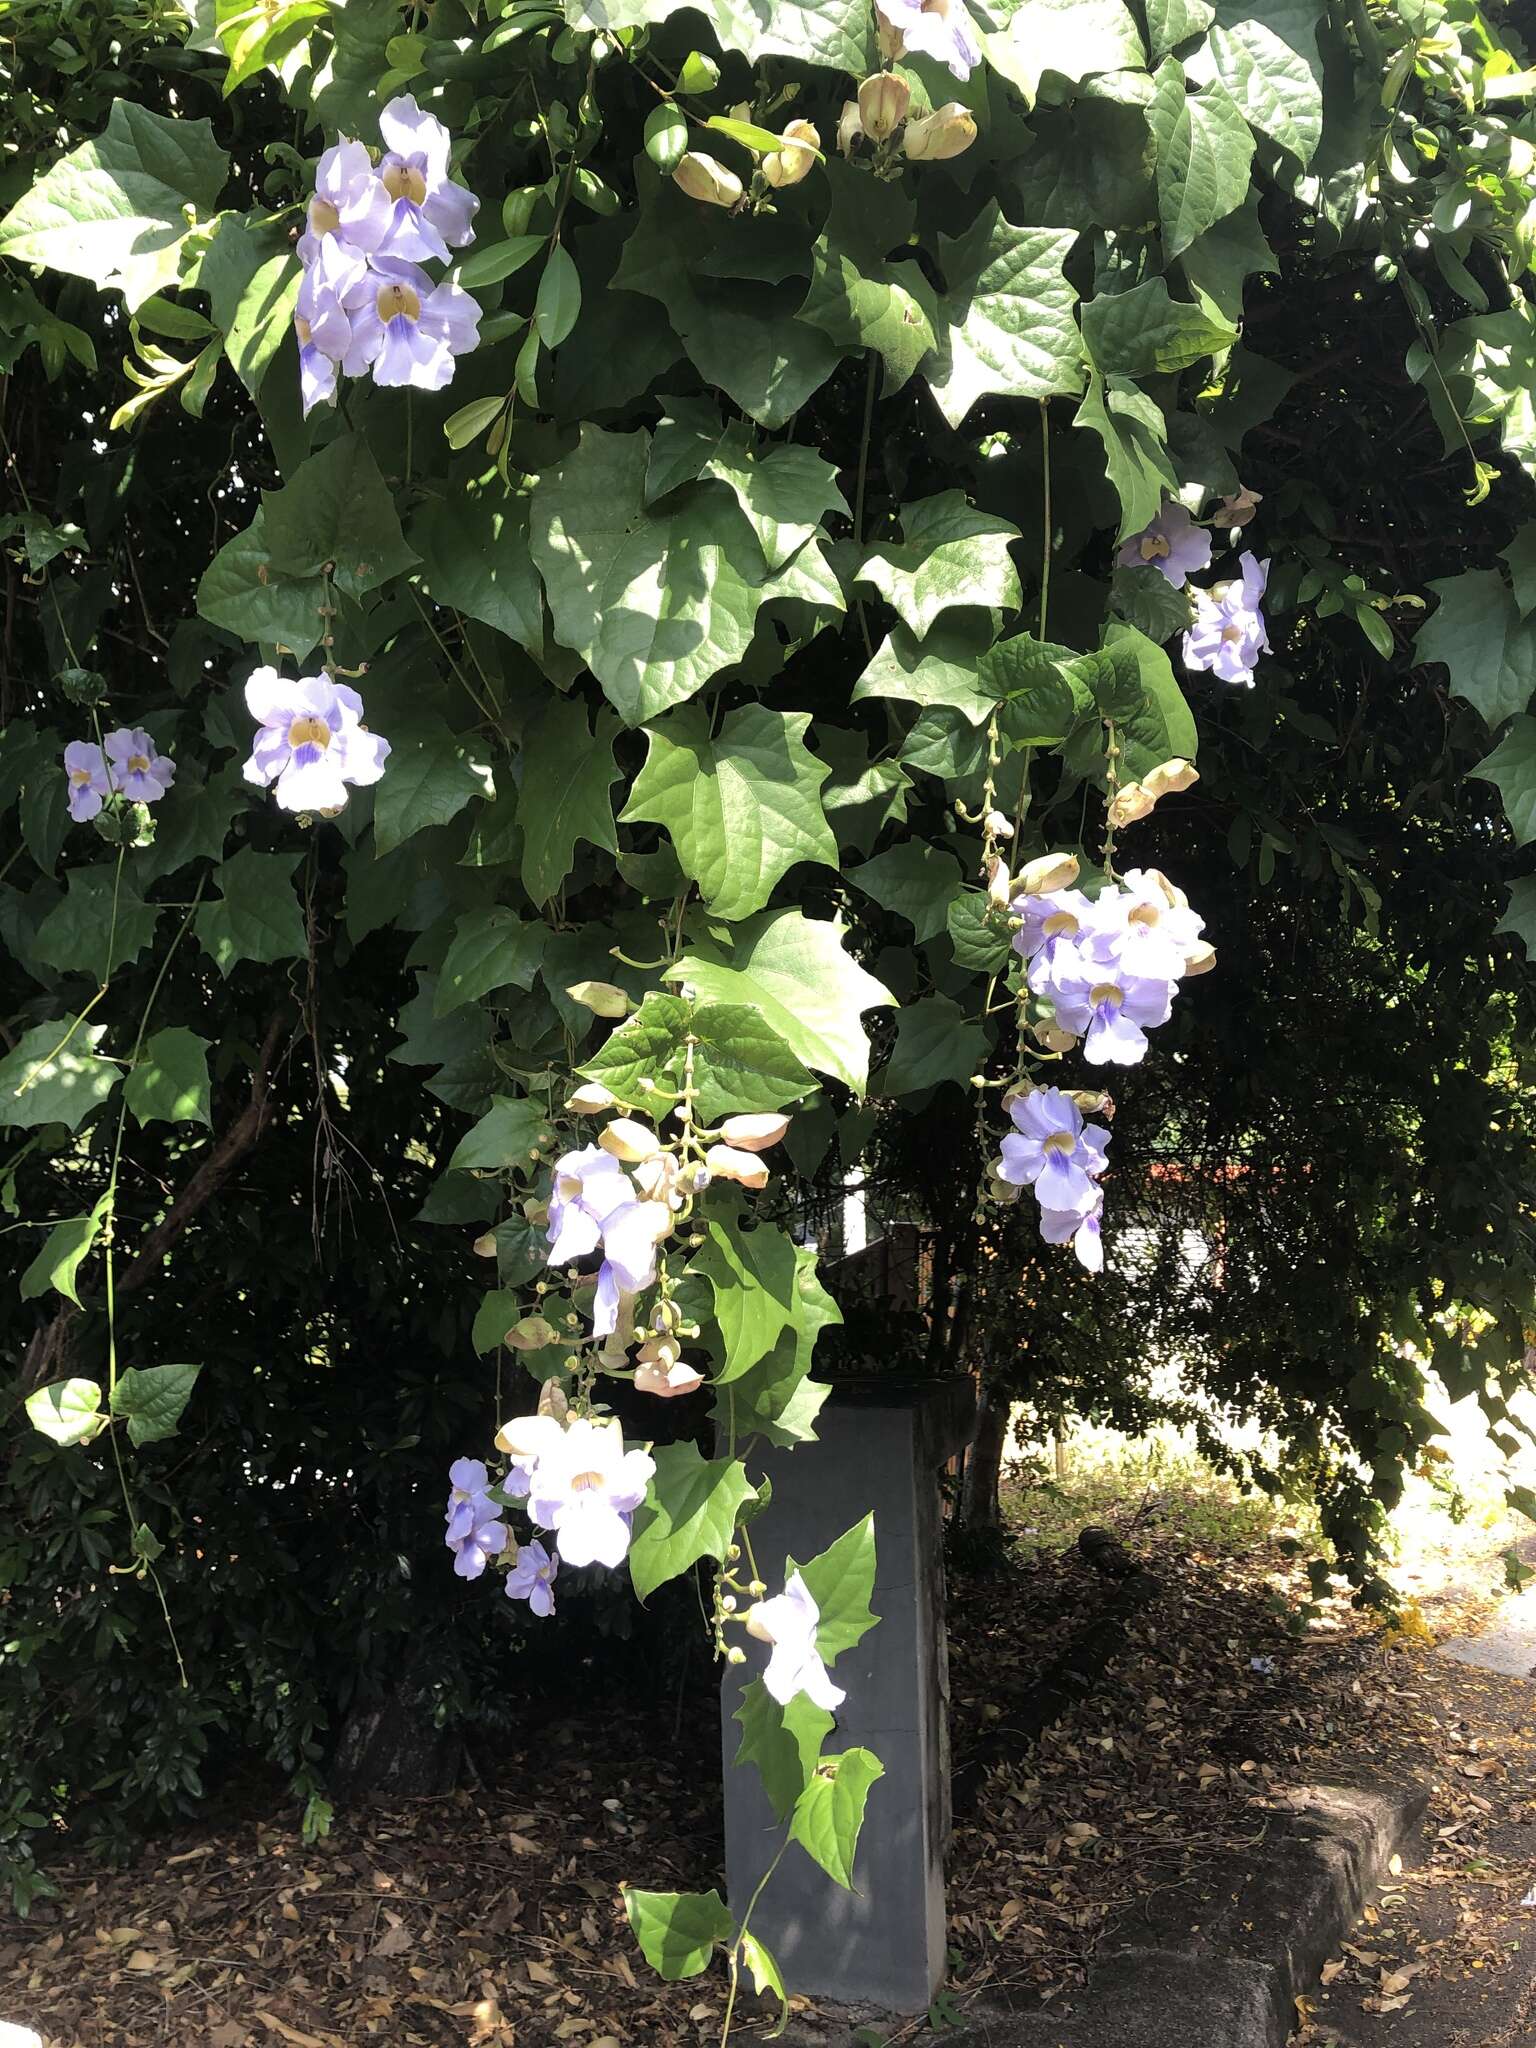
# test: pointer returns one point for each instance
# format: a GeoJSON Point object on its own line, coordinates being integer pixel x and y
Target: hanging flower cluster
{"type": "Point", "coordinates": [1228, 634]}
{"type": "Point", "coordinates": [704, 178]}
{"type": "Point", "coordinates": [1052, 1150]}
{"type": "Point", "coordinates": [125, 764]}
{"type": "Point", "coordinates": [882, 116]}
{"type": "Point", "coordinates": [311, 743]}
{"type": "Point", "coordinates": [365, 303]}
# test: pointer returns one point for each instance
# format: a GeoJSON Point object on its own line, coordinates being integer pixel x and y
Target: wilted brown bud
{"type": "Point", "coordinates": [1238, 510]}
{"type": "Point", "coordinates": [705, 180]}
{"type": "Point", "coordinates": [883, 103]}
{"type": "Point", "coordinates": [789, 164]}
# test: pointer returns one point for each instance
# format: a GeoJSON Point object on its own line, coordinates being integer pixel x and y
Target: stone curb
{"type": "Point", "coordinates": [1270, 1917]}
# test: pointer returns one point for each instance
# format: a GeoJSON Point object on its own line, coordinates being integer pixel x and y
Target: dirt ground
{"type": "Point", "coordinates": [491, 1917]}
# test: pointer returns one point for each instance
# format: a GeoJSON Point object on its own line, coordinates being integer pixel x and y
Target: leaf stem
{"type": "Point", "coordinates": [1045, 512]}
{"type": "Point", "coordinates": [860, 481]}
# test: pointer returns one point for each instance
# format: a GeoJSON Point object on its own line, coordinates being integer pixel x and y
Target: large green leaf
{"type": "Point", "coordinates": [252, 278]}
{"type": "Point", "coordinates": [491, 949]}
{"type": "Point", "coordinates": [115, 210]}
{"type": "Point", "coordinates": [338, 510]}
{"type": "Point", "coordinates": [830, 1811]}
{"type": "Point", "coordinates": [677, 1931]}
{"type": "Point", "coordinates": [474, 554]}
{"type": "Point", "coordinates": [934, 1043]}
{"type": "Point", "coordinates": [810, 991]}
{"type": "Point", "coordinates": [1512, 768]}
{"type": "Point", "coordinates": [690, 1511]}
{"type": "Point", "coordinates": [256, 916]}
{"type": "Point", "coordinates": [1068, 39]}
{"type": "Point", "coordinates": [65, 1246]}
{"type": "Point", "coordinates": [1276, 88]}
{"type": "Point", "coordinates": [868, 303]}
{"type": "Point", "coordinates": [939, 672]}
{"type": "Point", "coordinates": [1133, 683]}
{"type": "Point", "coordinates": [784, 1742]}
{"type": "Point", "coordinates": [102, 924]}
{"type": "Point", "coordinates": [739, 1063]}
{"type": "Point", "coordinates": [916, 880]}
{"type": "Point", "coordinates": [1170, 22]}
{"type": "Point", "coordinates": [841, 1580]}
{"type": "Point", "coordinates": [509, 1136]}
{"type": "Point", "coordinates": [949, 555]}
{"type": "Point", "coordinates": [432, 775]}
{"type": "Point", "coordinates": [169, 1080]}
{"type": "Point", "coordinates": [1135, 438]}
{"type": "Point", "coordinates": [753, 1275]}
{"type": "Point", "coordinates": [151, 1398]}
{"type": "Point", "coordinates": [567, 774]}
{"type": "Point", "coordinates": [740, 806]}
{"type": "Point", "coordinates": [241, 592]}
{"type": "Point", "coordinates": [654, 603]}
{"type": "Point", "coordinates": [52, 1075]}
{"type": "Point", "coordinates": [1005, 321]}
{"type": "Point", "coordinates": [785, 491]}
{"type": "Point", "coordinates": [1144, 332]}
{"type": "Point", "coordinates": [1488, 649]}
{"type": "Point", "coordinates": [1204, 156]}
{"type": "Point", "coordinates": [69, 1411]}
{"type": "Point", "coordinates": [1519, 918]}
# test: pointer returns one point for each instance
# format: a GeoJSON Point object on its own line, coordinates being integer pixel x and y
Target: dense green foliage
{"type": "Point", "coordinates": [752, 558]}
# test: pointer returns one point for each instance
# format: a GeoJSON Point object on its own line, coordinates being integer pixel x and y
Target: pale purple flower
{"type": "Point", "coordinates": [1229, 635]}
{"type": "Point", "coordinates": [1052, 1150]}
{"type": "Point", "coordinates": [468, 1498]}
{"type": "Point", "coordinates": [86, 767]}
{"type": "Point", "coordinates": [940, 29]}
{"type": "Point", "coordinates": [484, 1539]}
{"type": "Point", "coordinates": [1083, 1233]}
{"type": "Point", "coordinates": [1156, 937]}
{"type": "Point", "coordinates": [429, 213]}
{"type": "Point", "coordinates": [312, 741]}
{"type": "Point", "coordinates": [321, 321]}
{"type": "Point", "coordinates": [593, 1203]}
{"type": "Point", "coordinates": [532, 1578]}
{"type": "Point", "coordinates": [1172, 544]}
{"type": "Point", "coordinates": [133, 766]}
{"type": "Point", "coordinates": [351, 203]}
{"type": "Point", "coordinates": [585, 1485]}
{"type": "Point", "coordinates": [1108, 1004]}
{"type": "Point", "coordinates": [788, 1623]}
{"type": "Point", "coordinates": [1052, 924]}
{"type": "Point", "coordinates": [406, 329]}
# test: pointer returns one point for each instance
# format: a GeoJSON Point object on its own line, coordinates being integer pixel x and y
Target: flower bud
{"type": "Point", "coordinates": [724, 1162]}
{"type": "Point", "coordinates": [893, 43]}
{"type": "Point", "coordinates": [883, 103]}
{"type": "Point", "coordinates": [789, 164]}
{"type": "Point", "coordinates": [1172, 895]}
{"type": "Point", "coordinates": [664, 1351]}
{"type": "Point", "coordinates": [485, 1245]}
{"type": "Point", "coordinates": [1091, 1101]}
{"type": "Point", "coordinates": [944, 133]}
{"type": "Point", "coordinates": [999, 883]}
{"type": "Point", "coordinates": [1004, 1190]}
{"type": "Point", "coordinates": [997, 825]}
{"type": "Point", "coordinates": [1052, 1037]}
{"type": "Point", "coordinates": [1200, 958]}
{"type": "Point", "coordinates": [667, 1382]}
{"type": "Point", "coordinates": [1238, 510]}
{"type": "Point", "coordinates": [531, 1333]}
{"type": "Point", "coordinates": [628, 1139]}
{"type": "Point", "coordinates": [601, 997]}
{"type": "Point", "coordinates": [735, 1654]}
{"type": "Point", "coordinates": [552, 1402]}
{"type": "Point", "coordinates": [1169, 777]}
{"type": "Point", "coordinates": [1129, 804]}
{"type": "Point", "coordinates": [754, 1133]}
{"type": "Point", "coordinates": [1045, 873]}
{"type": "Point", "coordinates": [753, 1619]}
{"type": "Point", "coordinates": [704, 179]}
{"type": "Point", "coordinates": [850, 129]}
{"type": "Point", "coordinates": [590, 1099]}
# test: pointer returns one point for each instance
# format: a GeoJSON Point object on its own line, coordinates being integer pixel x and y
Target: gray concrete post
{"type": "Point", "coordinates": [882, 1443]}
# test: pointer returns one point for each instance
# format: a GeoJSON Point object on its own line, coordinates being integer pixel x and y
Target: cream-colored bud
{"type": "Point", "coordinates": [789, 164]}
{"type": "Point", "coordinates": [946, 132]}
{"type": "Point", "coordinates": [553, 1405]}
{"type": "Point", "coordinates": [850, 129]}
{"type": "Point", "coordinates": [1052, 1037]}
{"type": "Point", "coordinates": [1238, 510]}
{"type": "Point", "coordinates": [705, 180]}
{"type": "Point", "coordinates": [1002, 1190]}
{"type": "Point", "coordinates": [601, 997]}
{"type": "Point", "coordinates": [663, 1351]}
{"type": "Point", "coordinates": [667, 1382]}
{"type": "Point", "coordinates": [485, 1245]}
{"type": "Point", "coordinates": [1169, 777]}
{"type": "Point", "coordinates": [1200, 958]}
{"type": "Point", "coordinates": [893, 43]}
{"type": "Point", "coordinates": [883, 103]}
{"type": "Point", "coordinates": [753, 1618]}
{"type": "Point", "coordinates": [628, 1139]}
{"type": "Point", "coordinates": [1091, 1101]}
{"type": "Point", "coordinates": [754, 1133]}
{"type": "Point", "coordinates": [724, 1162]}
{"type": "Point", "coordinates": [1046, 873]}
{"type": "Point", "coordinates": [1129, 804]}
{"type": "Point", "coordinates": [999, 883]}
{"type": "Point", "coordinates": [997, 825]}
{"type": "Point", "coordinates": [590, 1099]}
{"type": "Point", "coordinates": [1170, 892]}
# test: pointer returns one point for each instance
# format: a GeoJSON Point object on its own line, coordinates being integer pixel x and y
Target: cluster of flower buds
{"type": "Point", "coordinates": [1108, 966]}
{"type": "Point", "coordinates": [365, 304]}
{"type": "Point", "coordinates": [881, 116]}
{"type": "Point", "coordinates": [623, 1197]}
{"type": "Point", "coordinates": [704, 178]}
{"type": "Point", "coordinates": [1133, 801]}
